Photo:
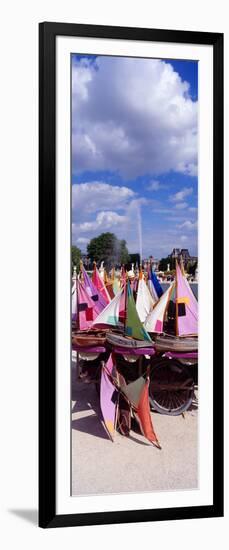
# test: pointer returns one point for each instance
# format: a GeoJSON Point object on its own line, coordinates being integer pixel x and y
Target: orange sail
{"type": "Point", "coordinates": [109, 285]}
{"type": "Point", "coordinates": [144, 418]}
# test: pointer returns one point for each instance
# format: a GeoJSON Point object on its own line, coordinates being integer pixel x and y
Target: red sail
{"type": "Point", "coordinates": [99, 284]}
{"type": "Point", "coordinates": [144, 418]}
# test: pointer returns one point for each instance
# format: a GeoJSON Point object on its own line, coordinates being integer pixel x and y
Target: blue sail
{"type": "Point", "coordinates": [156, 284]}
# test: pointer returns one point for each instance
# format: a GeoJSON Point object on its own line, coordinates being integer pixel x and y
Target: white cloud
{"type": "Point", "coordinates": [188, 225]}
{"type": "Point", "coordinates": [102, 207]}
{"type": "Point", "coordinates": [162, 210]}
{"type": "Point", "coordinates": [192, 209]}
{"type": "Point", "coordinates": [132, 115]}
{"type": "Point", "coordinates": [155, 185]}
{"type": "Point", "coordinates": [181, 205]}
{"type": "Point", "coordinates": [183, 238]}
{"type": "Point", "coordinates": [97, 196]}
{"type": "Point", "coordinates": [180, 195]}
{"type": "Point", "coordinates": [103, 221]}
{"type": "Point", "coordinates": [82, 240]}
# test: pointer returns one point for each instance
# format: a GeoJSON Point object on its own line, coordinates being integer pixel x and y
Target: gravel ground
{"type": "Point", "coordinates": [130, 464]}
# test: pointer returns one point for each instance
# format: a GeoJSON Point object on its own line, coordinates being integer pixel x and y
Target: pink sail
{"type": "Point", "coordinates": [123, 277]}
{"type": "Point", "coordinates": [86, 312]}
{"type": "Point", "coordinates": [74, 300]}
{"type": "Point", "coordinates": [93, 292]}
{"type": "Point", "coordinates": [108, 397]}
{"type": "Point", "coordinates": [99, 284]}
{"type": "Point", "coordinates": [186, 307]}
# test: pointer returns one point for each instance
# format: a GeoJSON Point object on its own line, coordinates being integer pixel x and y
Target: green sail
{"type": "Point", "coordinates": [133, 325]}
{"type": "Point", "coordinates": [133, 390]}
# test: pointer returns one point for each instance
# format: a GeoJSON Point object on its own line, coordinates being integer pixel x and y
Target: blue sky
{"type": "Point", "coordinates": [134, 151]}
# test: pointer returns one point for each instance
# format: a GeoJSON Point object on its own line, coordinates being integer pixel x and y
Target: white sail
{"type": "Point", "coordinates": [144, 301]}
{"type": "Point", "coordinates": [152, 291]}
{"type": "Point", "coordinates": [154, 321]}
{"type": "Point", "coordinates": [110, 314]}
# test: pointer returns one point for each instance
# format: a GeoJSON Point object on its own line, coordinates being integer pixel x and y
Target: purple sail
{"type": "Point", "coordinates": [108, 398]}
{"type": "Point", "coordinates": [94, 293]}
{"type": "Point", "coordinates": [186, 307]}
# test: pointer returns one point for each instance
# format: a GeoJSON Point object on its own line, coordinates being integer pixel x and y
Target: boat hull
{"type": "Point", "coordinates": [125, 342]}
{"type": "Point", "coordinates": [175, 343]}
{"type": "Point", "coordinates": [88, 340]}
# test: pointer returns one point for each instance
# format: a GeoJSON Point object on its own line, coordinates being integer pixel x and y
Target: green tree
{"type": "Point", "coordinates": [106, 247]}
{"type": "Point", "coordinates": [76, 255]}
{"type": "Point", "coordinates": [124, 254]}
{"type": "Point", "coordinates": [191, 268]}
{"type": "Point", "coordinates": [165, 261]}
{"type": "Point", "coordinates": [134, 259]}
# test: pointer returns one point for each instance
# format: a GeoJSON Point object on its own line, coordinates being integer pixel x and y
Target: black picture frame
{"type": "Point", "coordinates": [47, 288]}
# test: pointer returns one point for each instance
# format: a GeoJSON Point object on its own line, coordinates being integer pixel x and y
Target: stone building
{"type": "Point", "coordinates": [183, 253]}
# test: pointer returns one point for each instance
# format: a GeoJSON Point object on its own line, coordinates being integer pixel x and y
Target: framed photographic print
{"type": "Point", "coordinates": [131, 275]}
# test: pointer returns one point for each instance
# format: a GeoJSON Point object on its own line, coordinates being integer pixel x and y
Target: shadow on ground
{"type": "Point", "coordinates": [85, 400]}
{"type": "Point", "coordinates": [91, 425]}
{"type": "Point", "coordinates": [30, 515]}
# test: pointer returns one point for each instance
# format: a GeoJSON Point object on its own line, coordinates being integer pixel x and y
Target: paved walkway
{"type": "Point", "coordinates": [130, 464]}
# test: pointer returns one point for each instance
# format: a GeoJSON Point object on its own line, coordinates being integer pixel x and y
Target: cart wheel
{"type": "Point", "coordinates": [171, 387]}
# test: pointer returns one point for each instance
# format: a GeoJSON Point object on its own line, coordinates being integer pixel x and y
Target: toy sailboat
{"type": "Point", "coordinates": [176, 312]}
{"type": "Point", "coordinates": [131, 330]}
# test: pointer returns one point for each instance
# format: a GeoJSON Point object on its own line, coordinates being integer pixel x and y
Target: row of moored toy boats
{"type": "Point", "coordinates": [143, 317]}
